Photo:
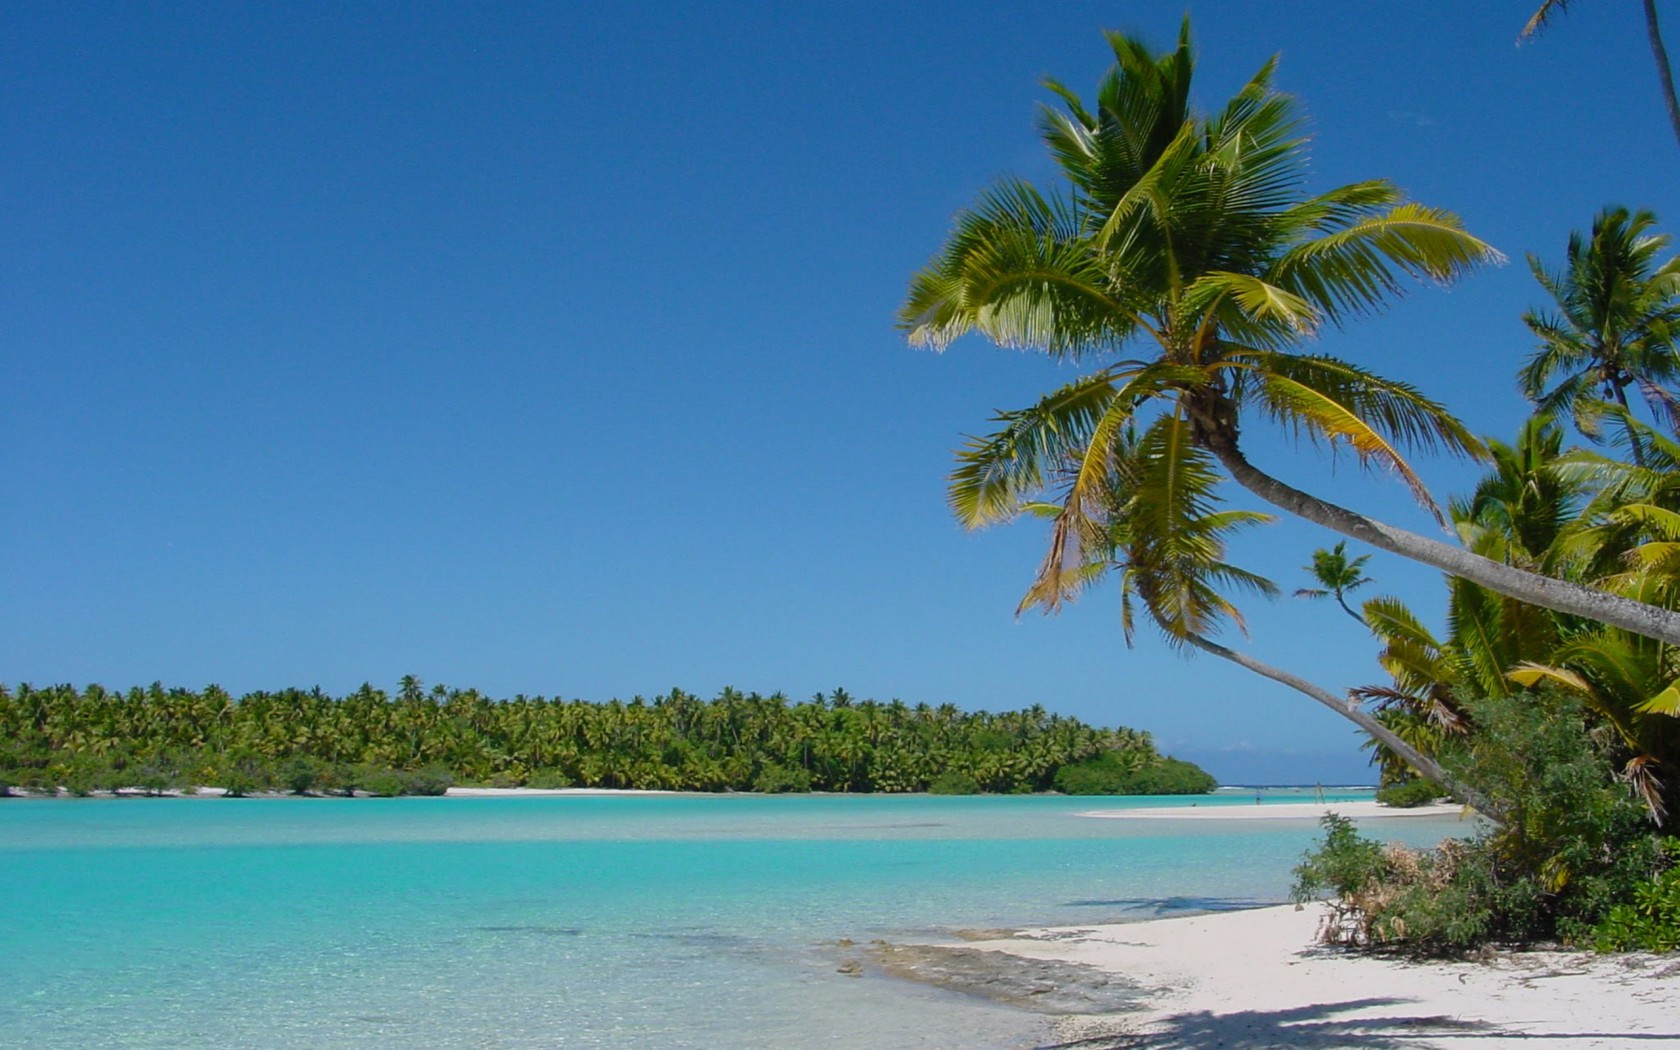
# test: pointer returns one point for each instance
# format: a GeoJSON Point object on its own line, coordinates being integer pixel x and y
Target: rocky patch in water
{"type": "Point", "coordinates": [1043, 986]}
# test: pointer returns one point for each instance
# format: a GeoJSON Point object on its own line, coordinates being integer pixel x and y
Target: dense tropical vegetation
{"type": "Point", "coordinates": [419, 741]}
{"type": "Point", "coordinates": [1184, 260]}
{"type": "Point", "coordinates": [1570, 727]}
{"type": "Point", "coordinates": [1186, 240]}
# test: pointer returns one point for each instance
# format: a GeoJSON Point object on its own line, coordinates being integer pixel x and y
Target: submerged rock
{"type": "Point", "coordinates": [1045, 986]}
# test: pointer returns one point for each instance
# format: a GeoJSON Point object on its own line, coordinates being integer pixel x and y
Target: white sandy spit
{"type": "Point", "coordinates": [1254, 979]}
{"type": "Point", "coordinates": [1278, 811]}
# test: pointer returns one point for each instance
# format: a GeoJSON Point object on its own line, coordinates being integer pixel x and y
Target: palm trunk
{"type": "Point", "coordinates": [1533, 588]}
{"type": "Point", "coordinates": [1660, 53]}
{"type": "Point", "coordinates": [1426, 767]}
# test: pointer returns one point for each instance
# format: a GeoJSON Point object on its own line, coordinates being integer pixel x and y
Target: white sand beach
{"type": "Point", "coordinates": [1279, 811]}
{"type": "Point", "coordinates": [1255, 979]}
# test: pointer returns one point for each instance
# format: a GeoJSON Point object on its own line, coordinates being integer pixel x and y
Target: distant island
{"type": "Point", "coordinates": [418, 741]}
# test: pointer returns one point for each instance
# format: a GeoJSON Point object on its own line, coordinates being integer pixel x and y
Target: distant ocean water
{"type": "Point", "coordinates": [667, 922]}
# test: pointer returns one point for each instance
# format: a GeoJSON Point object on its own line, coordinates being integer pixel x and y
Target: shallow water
{"type": "Point", "coordinates": [571, 921]}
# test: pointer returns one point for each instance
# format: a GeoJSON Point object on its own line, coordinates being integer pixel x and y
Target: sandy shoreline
{"type": "Point", "coordinates": [1254, 979]}
{"type": "Point", "coordinates": [1278, 811]}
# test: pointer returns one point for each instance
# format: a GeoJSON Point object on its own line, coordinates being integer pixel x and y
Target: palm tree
{"type": "Point", "coordinates": [1550, 9]}
{"type": "Point", "coordinates": [1338, 576]}
{"type": "Point", "coordinates": [1189, 231]}
{"type": "Point", "coordinates": [1579, 513]}
{"type": "Point", "coordinates": [1166, 537]}
{"type": "Point", "coordinates": [1616, 324]}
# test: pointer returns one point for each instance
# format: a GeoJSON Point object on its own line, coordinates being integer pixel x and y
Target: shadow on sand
{"type": "Point", "coordinates": [1321, 1027]}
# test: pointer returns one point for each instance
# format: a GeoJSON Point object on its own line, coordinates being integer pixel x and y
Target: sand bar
{"type": "Point", "coordinates": [1278, 811]}
{"type": "Point", "coordinates": [1255, 979]}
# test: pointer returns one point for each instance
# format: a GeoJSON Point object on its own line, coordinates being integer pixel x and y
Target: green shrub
{"type": "Point", "coordinates": [1122, 773]}
{"type": "Point", "coordinates": [243, 772]}
{"type": "Point", "coordinates": [1573, 845]}
{"type": "Point", "coordinates": [303, 774]}
{"type": "Point", "coordinates": [775, 780]}
{"type": "Point", "coordinates": [433, 780]}
{"type": "Point", "coordinates": [954, 782]}
{"type": "Point", "coordinates": [156, 775]}
{"type": "Point", "coordinates": [1348, 864]}
{"type": "Point", "coordinates": [548, 780]}
{"type": "Point", "coordinates": [1651, 920]}
{"type": "Point", "coordinates": [384, 783]}
{"type": "Point", "coordinates": [1409, 794]}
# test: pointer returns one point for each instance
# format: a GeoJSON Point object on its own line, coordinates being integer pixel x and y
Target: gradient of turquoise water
{"type": "Point", "coordinates": [574, 921]}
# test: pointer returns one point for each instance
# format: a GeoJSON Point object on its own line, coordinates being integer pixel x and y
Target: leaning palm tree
{"type": "Point", "coordinates": [1579, 513]}
{"type": "Point", "coordinates": [1616, 325]}
{"type": "Point", "coordinates": [1337, 576]}
{"type": "Point", "coordinates": [1189, 232]}
{"type": "Point", "coordinates": [1164, 532]}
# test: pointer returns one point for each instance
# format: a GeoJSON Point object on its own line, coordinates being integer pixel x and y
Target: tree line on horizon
{"type": "Point", "coordinates": [1180, 262]}
{"type": "Point", "coordinates": [420, 741]}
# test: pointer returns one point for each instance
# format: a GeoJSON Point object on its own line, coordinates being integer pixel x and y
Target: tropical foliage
{"type": "Point", "coordinates": [1337, 576]}
{"type": "Point", "coordinates": [1119, 773]}
{"type": "Point", "coordinates": [1573, 853]}
{"type": "Point", "coordinates": [418, 741]}
{"type": "Point", "coordinates": [1613, 325]}
{"type": "Point", "coordinates": [1578, 513]}
{"type": "Point", "coordinates": [1185, 261]}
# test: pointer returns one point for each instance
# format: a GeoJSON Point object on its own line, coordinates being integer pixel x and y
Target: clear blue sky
{"type": "Point", "coordinates": [549, 348]}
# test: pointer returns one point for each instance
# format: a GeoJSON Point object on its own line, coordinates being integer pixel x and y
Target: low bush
{"type": "Point", "coordinates": [1574, 845]}
{"type": "Point", "coordinates": [433, 780]}
{"type": "Point", "coordinates": [1409, 794]}
{"type": "Point", "coordinates": [1120, 773]}
{"type": "Point", "coordinates": [548, 780]}
{"type": "Point", "coordinates": [303, 774]}
{"type": "Point", "coordinates": [954, 782]}
{"type": "Point", "coordinates": [383, 783]}
{"type": "Point", "coordinates": [1651, 920]}
{"type": "Point", "coordinates": [776, 780]}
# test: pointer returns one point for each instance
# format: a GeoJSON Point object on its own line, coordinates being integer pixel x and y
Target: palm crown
{"type": "Point", "coordinates": [1189, 234]}
{"type": "Point", "coordinates": [1615, 324]}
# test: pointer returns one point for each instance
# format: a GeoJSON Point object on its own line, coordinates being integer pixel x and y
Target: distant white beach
{"type": "Point", "coordinates": [1280, 811]}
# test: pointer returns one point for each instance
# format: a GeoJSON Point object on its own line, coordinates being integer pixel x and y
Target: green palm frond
{"type": "Point", "coordinates": [1017, 269]}
{"type": "Point", "coordinates": [996, 475]}
{"type": "Point", "coordinates": [1319, 415]}
{"type": "Point", "coordinates": [1165, 529]}
{"type": "Point", "coordinates": [1398, 411]}
{"type": "Point", "coordinates": [1258, 301]}
{"type": "Point", "coordinates": [1666, 702]}
{"type": "Point", "coordinates": [1613, 324]}
{"type": "Point", "coordinates": [1355, 268]}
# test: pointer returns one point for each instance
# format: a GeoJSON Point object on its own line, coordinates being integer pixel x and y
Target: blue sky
{"type": "Point", "coordinates": [549, 348]}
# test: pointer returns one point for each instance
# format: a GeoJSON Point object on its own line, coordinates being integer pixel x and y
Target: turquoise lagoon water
{"type": "Point", "coordinates": [666, 922]}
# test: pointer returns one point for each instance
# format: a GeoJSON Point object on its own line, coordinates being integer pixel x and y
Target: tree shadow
{"type": "Point", "coordinates": [1321, 1027]}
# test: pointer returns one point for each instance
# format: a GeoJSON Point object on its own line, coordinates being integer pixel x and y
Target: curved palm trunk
{"type": "Point", "coordinates": [1358, 619]}
{"type": "Point", "coordinates": [1660, 53]}
{"type": "Point", "coordinates": [1426, 767]}
{"type": "Point", "coordinates": [1533, 588]}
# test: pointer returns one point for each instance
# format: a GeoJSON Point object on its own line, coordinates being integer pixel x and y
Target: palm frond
{"type": "Point", "coordinates": [1355, 268]}
{"type": "Point", "coordinates": [1549, 9]}
{"type": "Point", "coordinates": [1320, 415]}
{"type": "Point", "coordinates": [997, 474]}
